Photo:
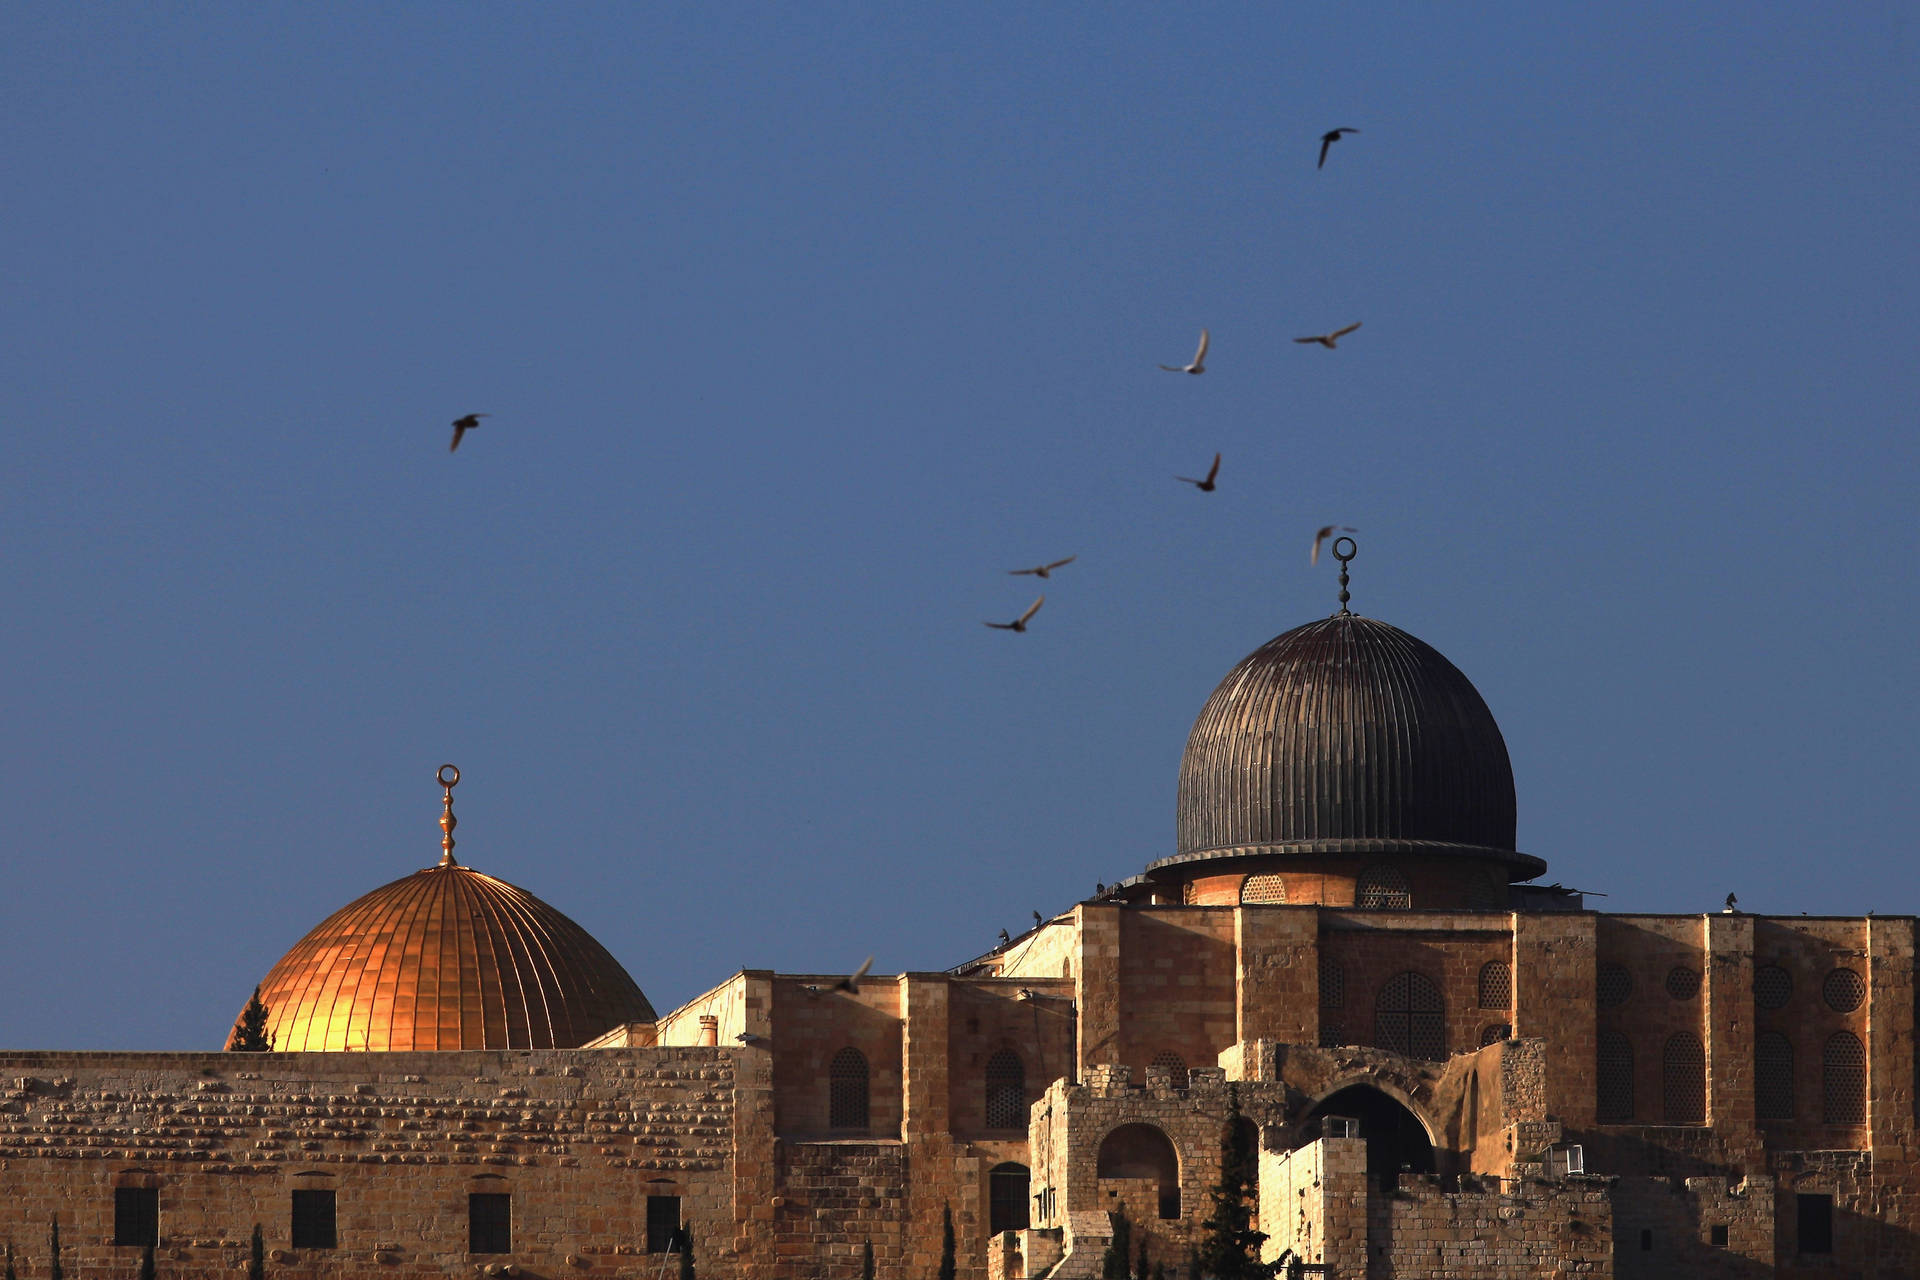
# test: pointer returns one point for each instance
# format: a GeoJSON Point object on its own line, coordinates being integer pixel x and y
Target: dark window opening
{"type": "Point", "coordinates": [1613, 1103]}
{"type": "Point", "coordinates": [313, 1224]}
{"type": "Point", "coordinates": [1143, 1151]}
{"type": "Point", "coordinates": [1007, 1187]}
{"type": "Point", "coordinates": [1646, 1240]}
{"type": "Point", "coordinates": [847, 1090]}
{"type": "Point", "coordinates": [1816, 1224]}
{"type": "Point", "coordinates": [1773, 1086]}
{"type": "Point", "coordinates": [1410, 1018]}
{"type": "Point", "coordinates": [1718, 1235]}
{"type": "Point", "coordinates": [1396, 1141]}
{"type": "Point", "coordinates": [1683, 1079]}
{"type": "Point", "coordinates": [1006, 1091]}
{"type": "Point", "coordinates": [136, 1215]}
{"type": "Point", "coordinates": [489, 1222]}
{"type": "Point", "coordinates": [663, 1224]}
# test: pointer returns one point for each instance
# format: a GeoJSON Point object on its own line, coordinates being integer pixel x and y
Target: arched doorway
{"type": "Point", "coordinates": [1143, 1151]}
{"type": "Point", "coordinates": [1396, 1141]}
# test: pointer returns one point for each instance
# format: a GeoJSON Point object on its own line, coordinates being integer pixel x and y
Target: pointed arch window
{"type": "Point", "coordinates": [847, 1090]}
{"type": "Point", "coordinates": [1410, 1017]}
{"type": "Point", "coordinates": [1843, 1079]}
{"type": "Point", "coordinates": [1263, 888]}
{"type": "Point", "coordinates": [1613, 1078]}
{"type": "Point", "coordinates": [1683, 1079]}
{"type": "Point", "coordinates": [1006, 1091]}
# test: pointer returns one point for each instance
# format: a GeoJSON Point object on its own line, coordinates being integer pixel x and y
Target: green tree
{"type": "Point", "coordinates": [947, 1267]}
{"type": "Point", "coordinates": [54, 1271]}
{"type": "Point", "coordinates": [257, 1257]}
{"type": "Point", "coordinates": [1230, 1250]}
{"type": "Point", "coordinates": [686, 1253]}
{"type": "Point", "coordinates": [250, 1034]}
{"type": "Point", "coordinates": [146, 1263]}
{"type": "Point", "coordinates": [1119, 1255]}
{"type": "Point", "coordinates": [14, 1275]}
{"type": "Point", "coordinates": [866, 1261]}
{"type": "Point", "coordinates": [1140, 1260]}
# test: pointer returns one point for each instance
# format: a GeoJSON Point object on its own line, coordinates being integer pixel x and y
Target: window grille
{"type": "Point", "coordinates": [1683, 983]}
{"type": "Point", "coordinates": [1188, 893]}
{"type": "Point", "coordinates": [847, 1090]}
{"type": "Point", "coordinates": [1613, 1076]}
{"type": "Point", "coordinates": [136, 1215]}
{"type": "Point", "coordinates": [1612, 984]}
{"type": "Point", "coordinates": [1496, 985]}
{"type": "Point", "coordinates": [1772, 986]}
{"type": "Point", "coordinates": [663, 1224]}
{"type": "Point", "coordinates": [1007, 1192]}
{"type": "Point", "coordinates": [1383, 889]}
{"type": "Point", "coordinates": [1410, 1018]}
{"type": "Point", "coordinates": [1772, 1076]}
{"type": "Point", "coordinates": [1333, 984]}
{"type": "Point", "coordinates": [489, 1222]}
{"type": "Point", "coordinates": [1843, 1078]}
{"type": "Point", "coordinates": [1263, 889]}
{"type": "Point", "coordinates": [1683, 1079]}
{"type": "Point", "coordinates": [1494, 1033]}
{"type": "Point", "coordinates": [1173, 1062]}
{"type": "Point", "coordinates": [1006, 1091]}
{"type": "Point", "coordinates": [1843, 991]}
{"type": "Point", "coordinates": [313, 1220]}
{"type": "Point", "coordinates": [1331, 1036]}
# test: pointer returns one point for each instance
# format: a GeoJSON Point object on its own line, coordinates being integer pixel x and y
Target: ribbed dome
{"type": "Point", "coordinates": [447, 958]}
{"type": "Point", "coordinates": [1346, 735]}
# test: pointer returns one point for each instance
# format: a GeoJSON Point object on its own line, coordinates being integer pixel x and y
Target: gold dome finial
{"type": "Point", "coordinates": [447, 821]}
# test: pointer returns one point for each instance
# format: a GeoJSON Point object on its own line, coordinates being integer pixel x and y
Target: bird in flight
{"type": "Point", "coordinates": [1043, 570]}
{"type": "Point", "coordinates": [1328, 340]}
{"type": "Point", "coordinates": [463, 425]}
{"type": "Point", "coordinates": [1199, 364]}
{"type": "Point", "coordinates": [1020, 623]}
{"type": "Point", "coordinates": [1328, 139]}
{"type": "Point", "coordinates": [852, 981]}
{"type": "Point", "coordinates": [1327, 531]}
{"type": "Point", "coordinates": [1207, 485]}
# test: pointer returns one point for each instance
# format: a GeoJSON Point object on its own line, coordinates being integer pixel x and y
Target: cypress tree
{"type": "Point", "coordinates": [1119, 1255]}
{"type": "Point", "coordinates": [250, 1033]}
{"type": "Point", "coordinates": [866, 1261]}
{"type": "Point", "coordinates": [54, 1272]}
{"type": "Point", "coordinates": [146, 1263]}
{"type": "Point", "coordinates": [1231, 1248]}
{"type": "Point", "coordinates": [14, 1275]}
{"type": "Point", "coordinates": [1140, 1262]}
{"type": "Point", "coordinates": [946, 1242]}
{"type": "Point", "coordinates": [686, 1253]}
{"type": "Point", "coordinates": [257, 1259]}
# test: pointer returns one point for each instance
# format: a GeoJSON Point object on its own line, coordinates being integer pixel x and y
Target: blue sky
{"type": "Point", "coordinates": [799, 326]}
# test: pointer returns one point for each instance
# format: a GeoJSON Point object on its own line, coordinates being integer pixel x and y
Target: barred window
{"type": "Point", "coordinates": [1683, 1079]}
{"type": "Point", "coordinates": [136, 1215]}
{"type": "Point", "coordinates": [1383, 889]}
{"type": "Point", "coordinates": [1683, 983]}
{"type": "Point", "coordinates": [1007, 1195]}
{"type": "Point", "coordinates": [847, 1090]}
{"type": "Point", "coordinates": [1772, 1076]}
{"type": "Point", "coordinates": [1006, 1091]}
{"type": "Point", "coordinates": [1333, 984]}
{"type": "Point", "coordinates": [1613, 1076]}
{"type": "Point", "coordinates": [1409, 1017]}
{"type": "Point", "coordinates": [1172, 1062]}
{"type": "Point", "coordinates": [1612, 984]}
{"type": "Point", "coordinates": [489, 1222]}
{"type": "Point", "coordinates": [1263, 889]}
{"type": "Point", "coordinates": [313, 1220]}
{"type": "Point", "coordinates": [1843, 1078]}
{"type": "Point", "coordinates": [1772, 986]}
{"type": "Point", "coordinates": [1496, 985]}
{"type": "Point", "coordinates": [1494, 1033]}
{"type": "Point", "coordinates": [1843, 991]}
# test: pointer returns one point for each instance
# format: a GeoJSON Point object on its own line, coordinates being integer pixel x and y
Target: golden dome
{"type": "Point", "coordinates": [447, 958]}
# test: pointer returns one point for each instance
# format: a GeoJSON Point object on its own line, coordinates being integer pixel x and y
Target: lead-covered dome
{"type": "Point", "coordinates": [1347, 736]}
{"type": "Point", "coordinates": [447, 958]}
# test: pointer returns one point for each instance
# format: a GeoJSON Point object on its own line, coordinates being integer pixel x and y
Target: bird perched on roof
{"type": "Point", "coordinates": [1207, 485]}
{"type": "Point", "coordinates": [1037, 921]}
{"type": "Point", "coordinates": [1042, 570]}
{"type": "Point", "coordinates": [1199, 364]}
{"type": "Point", "coordinates": [1099, 889]}
{"type": "Point", "coordinates": [1020, 623]}
{"type": "Point", "coordinates": [1005, 938]}
{"type": "Point", "coordinates": [1327, 531]}
{"type": "Point", "coordinates": [1329, 340]}
{"type": "Point", "coordinates": [463, 425]}
{"type": "Point", "coordinates": [1327, 139]}
{"type": "Point", "coordinates": [1732, 903]}
{"type": "Point", "coordinates": [852, 981]}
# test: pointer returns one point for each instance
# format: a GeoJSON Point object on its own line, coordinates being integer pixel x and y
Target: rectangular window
{"type": "Point", "coordinates": [313, 1220]}
{"type": "Point", "coordinates": [1816, 1224]}
{"type": "Point", "coordinates": [1646, 1240]}
{"type": "Point", "coordinates": [489, 1223]}
{"type": "Point", "coordinates": [136, 1215]}
{"type": "Point", "coordinates": [663, 1224]}
{"type": "Point", "coordinates": [1719, 1235]}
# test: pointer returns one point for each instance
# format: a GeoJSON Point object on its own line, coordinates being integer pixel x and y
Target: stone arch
{"type": "Point", "coordinates": [1399, 1139]}
{"type": "Point", "coordinates": [1141, 1150]}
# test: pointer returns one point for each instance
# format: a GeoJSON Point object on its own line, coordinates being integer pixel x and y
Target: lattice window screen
{"type": "Point", "coordinates": [1255, 889]}
{"type": "Point", "coordinates": [1496, 985]}
{"type": "Point", "coordinates": [1613, 1074]}
{"type": "Point", "coordinates": [1173, 1062]}
{"type": "Point", "coordinates": [1843, 991]}
{"type": "Point", "coordinates": [1683, 1079]}
{"type": "Point", "coordinates": [1006, 1091]}
{"type": "Point", "coordinates": [1494, 1033]}
{"type": "Point", "coordinates": [1683, 983]}
{"type": "Point", "coordinates": [1772, 986]}
{"type": "Point", "coordinates": [847, 1090]}
{"type": "Point", "coordinates": [1612, 984]}
{"type": "Point", "coordinates": [1843, 1078]}
{"type": "Point", "coordinates": [1410, 1017]}
{"type": "Point", "coordinates": [1773, 1076]}
{"type": "Point", "coordinates": [1383, 889]}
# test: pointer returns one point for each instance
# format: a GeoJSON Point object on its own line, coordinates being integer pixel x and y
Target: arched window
{"type": "Point", "coordinates": [1772, 1076]}
{"type": "Point", "coordinates": [1175, 1063]}
{"type": "Point", "coordinates": [1142, 1151]}
{"type": "Point", "coordinates": [1006, 1091]}
{"type": "Point", "coordinates": [1496, 985]}
{"type": "Point", "coordinates": [1269, 888]}
{"type": "Point", "coordinates": [1612, 984]}
{"type": "Point", "coordinates": [1383, 889]}
{"type": "Point", "coordinates": [1410, 1018]}
{"type": "Point", "coordinates": [1007, 1189]}
{"type": "Point", "coordinates": [1843, 1078]}
{"type": "Point", "coordinates": [1495, 1032]}
{"type": "Point", "coordinates": [1683, 1079]}
{"type": "Point", "coordinates": [847, 1090]}
{"type": "Point", "coordinates": [1613, 1078]}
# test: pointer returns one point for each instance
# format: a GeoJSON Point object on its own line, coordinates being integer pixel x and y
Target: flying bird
{"type": "Point", "coordinates": [1328, 139]}
{"type": "Point", "coordinates": [463, 425]}
{"type": "Point", "coordinates": [1327, 531]}
{"type": "Point", "coordinates": [852, 981]}
{"type": "Point", "coordinates": [1043, 570]}
{"type": "Point", "coordinates": [1207, 485]}
{"type": "Point", "coordinates": [1328, 340]}
{"type": "Point", "coordinates": [1199, 364]}
{"type": "Point", "coordinates": [1020, 623]}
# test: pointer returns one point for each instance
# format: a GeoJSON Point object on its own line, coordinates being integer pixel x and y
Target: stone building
{"type": "Point", "coordinates": [1448, 1069]}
